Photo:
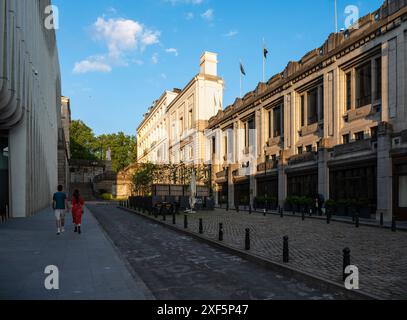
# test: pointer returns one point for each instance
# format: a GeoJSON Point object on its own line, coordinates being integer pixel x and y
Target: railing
{"type": "Point", "coordinates": [221, 174]}
{"type": "Point", "coordinates": [108, 176]}
{"type": "Point", "coordinates": [269, 165]}
{"type": "Point", "coordinates": [301, 158]}
{"type": "Point", "coordinates": [356, 146]}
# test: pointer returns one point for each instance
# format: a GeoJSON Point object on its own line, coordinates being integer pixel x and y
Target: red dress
{"type": "Point", "coordinates": [77, 210]}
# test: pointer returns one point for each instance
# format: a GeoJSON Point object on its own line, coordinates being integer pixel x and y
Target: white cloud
{"type": "Point", "coordinates": [92, 64]}
{"type": "Point", "coordinates": [193, 2]}
{"type": "Point", "coordinates": [120, 36]}
{"type": "Point", "coordinates": [123, 34]}
{"type": "Point", "coordinates": [231, 33]}
{"type": "Point", "coordinates": [154, 58]}
{"type": "Point", "coordinates": [189, 16]}
{"type": "Point", "coordinates": [208, 15]}
{"type": "Point", "coordinates": [172, 51]}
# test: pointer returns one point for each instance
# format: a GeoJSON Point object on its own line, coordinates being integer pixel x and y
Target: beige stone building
{"type": "Point", "coordinates": [64, 153]}
{"type": "Point", "coordinates": [332, 124]}
{"type": "Point", "coordinates": [173, 129]}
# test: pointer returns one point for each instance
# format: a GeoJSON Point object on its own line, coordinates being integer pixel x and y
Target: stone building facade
{"type": "Point", "coordinates": [30, 102]}
{"type": "Point", "coordinates": [64, 153]}
{"type": "Point", "coordinates": [332, 124]}
{"type": "Point", "coordinates": [173, 129]}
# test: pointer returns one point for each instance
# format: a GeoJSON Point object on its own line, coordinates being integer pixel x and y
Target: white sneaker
{"type": "Point", "coordinates": [58, 232]}
{"type": "Point", "coordinates": [62, 230]}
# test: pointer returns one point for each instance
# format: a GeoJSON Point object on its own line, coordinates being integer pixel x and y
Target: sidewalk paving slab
{"type": "Point", "coordinates": [90, 267]}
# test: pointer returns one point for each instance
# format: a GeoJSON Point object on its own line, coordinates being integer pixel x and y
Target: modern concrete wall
{"type": "Point", "coordinates": [30, 99]}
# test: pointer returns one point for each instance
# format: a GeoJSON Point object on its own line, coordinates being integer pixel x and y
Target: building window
{"type": "Point", "coordinates": [364, 85]}
{"type": "Point", "coordinates": [302, 110]}
{"type": "Point", "coordinates": [190, 114]}
{"type": "Point", "coordinates": [300, 150]}
{"type": "Point", "coordinates": [373, 133]}
{"type": "Point", "coordinates": [313, 106]}
{"type": "Point", "coordinates": [345, 138]}
{"type": "Point", "coordinates": [348, 91]}
{"type": "Point", "coordinates": [359, 136]}
{"type": "Point", "coordinates": [225, 142]}
{"type": "Point", "coordinates": [277, 121]}
{"type": "Point", "coordinates": [181, 125]}
{"type": "Point", "coordinates": [213, 145]}
{"type": "Point", "coordinates": [270, 121]}
{"type": "Point", "coordinates": [249, 127]}
{"type": "Point", "coordinates": [378, 76]}
{"type": "Point", "coordinates": [309, 148]}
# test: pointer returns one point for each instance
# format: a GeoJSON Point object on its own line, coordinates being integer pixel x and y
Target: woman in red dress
{"type": "Point", "coordinates": [77, 210]}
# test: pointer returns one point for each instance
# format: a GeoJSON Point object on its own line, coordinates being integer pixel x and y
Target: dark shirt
{"type": "Point", "coordinates": [59, 198]}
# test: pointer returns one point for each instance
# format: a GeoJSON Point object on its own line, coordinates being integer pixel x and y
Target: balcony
{"type": "Point", "coordinates": [221, 175]}
{"type": "Point", "coordinates": [302, 158]}
{"type": "Point", "coordinates": [265, 166]}
{"type": "Point", "coordinates": [241, 172]}
{"type": "Point", "coordinates": [357, 146]}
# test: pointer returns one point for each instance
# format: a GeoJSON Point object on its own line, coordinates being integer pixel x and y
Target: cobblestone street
{"type": "Point", "coordinates": [316, 247]}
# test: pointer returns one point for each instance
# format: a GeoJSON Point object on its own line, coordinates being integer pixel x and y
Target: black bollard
{"type": "Point", "coordinates": [286, 252]}
{"type": "Point", "coordinates": [247, 239]}
{"type": "Point", "coordinates": [394, 225]}
{"type": "Point", "coordinates": [265, 212]}
{"type": "Point", "coordinates": [174, 219]}
{"type": "Point", "coordinates": [346, 262]}
{"type": "Point", "coordinates": [381, 219]}
{"type": "Point", "coordinates": [220, 231]}
{"type": "Point", "coordinates": [165, 217]}
{"type": "Point", "coordinates": [200, 226]}
{"type": "Point", "coordinates": [328, 218]}
{"type": "Point", "coordinates": [281, 213]}
{"type": "Point", "coordinates": [250, 209]}
{"type": "Point", "coordinates": [303, 215]}
{"type": "Point", "coordinates": [237, 208]}
{"type": "Point", "coordinates": [185, 222]}
{"type": "Point", "coordinates": [227, 206]}
{"type": "Point", "coordinates": [357, 221]}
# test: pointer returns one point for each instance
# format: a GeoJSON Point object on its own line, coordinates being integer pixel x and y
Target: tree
{"type": "Point", "coordinates": [82, 141]}
{"type": "Point", "coordinates": [143, 179]}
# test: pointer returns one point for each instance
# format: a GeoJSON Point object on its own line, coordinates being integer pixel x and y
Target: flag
{"type": "Point", "coordinates": [265, 52]}
{"type": "Point", "coordinates": [242, 69]}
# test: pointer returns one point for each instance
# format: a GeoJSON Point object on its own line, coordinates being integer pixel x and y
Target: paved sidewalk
{"type": "Point", "coordinates": [89, 265]}
{"type": "Point", "coordinates": [316, 247]}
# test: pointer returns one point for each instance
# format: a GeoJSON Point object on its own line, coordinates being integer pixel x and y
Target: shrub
{"type": "Point", "coordinates": [107, 196]}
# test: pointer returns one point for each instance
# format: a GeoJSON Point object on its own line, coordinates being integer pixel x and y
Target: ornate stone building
{"type": "Point", "coordinates": [30, 104]}
{"type": "Point", "coordinates": [332, 124]}
{"type": "Point", "coordinates": [173, 129]}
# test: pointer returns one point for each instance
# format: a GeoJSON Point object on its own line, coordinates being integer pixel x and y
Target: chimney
{"type": "Point", "coordinates": [209, 64]}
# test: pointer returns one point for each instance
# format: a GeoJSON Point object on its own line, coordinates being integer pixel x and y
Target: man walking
{"type": "Point", "coordinates": [60, 205]}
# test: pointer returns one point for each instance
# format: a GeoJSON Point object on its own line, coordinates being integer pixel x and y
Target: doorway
{"type": "Point", "coordinates": [4, 178]}
{"type": "Point", "coordinates": [400, 188]}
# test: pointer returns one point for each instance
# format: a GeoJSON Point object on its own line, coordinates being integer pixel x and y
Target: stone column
{"type": "Point", "coordinates": [282, 179]}
{"type": "Point", "coordinates": [384, 172]}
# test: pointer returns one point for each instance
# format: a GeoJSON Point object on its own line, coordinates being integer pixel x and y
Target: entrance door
{"type": "Point", "coordinates": [4, 183]}
{"type": "Point", "coordinates": [400, 189]}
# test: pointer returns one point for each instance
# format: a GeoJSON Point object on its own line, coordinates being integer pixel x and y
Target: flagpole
{"type": "Point", "coordinates": [241, 85]}
{"type": "Point", "coordinates": [264, 62]}
{"type": "Point", "coordinates": [336, 17]}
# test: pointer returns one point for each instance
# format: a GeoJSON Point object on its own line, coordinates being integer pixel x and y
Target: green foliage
{"type": "Point", "coordinates": [107, 196]}
{"type": "Point", "coordinates": [86, 146]}
{"type": "Point", "coordinates": [330, 204]}
{"type": "Point", "coordinates": [143, 179]}
{"type": "Point", "coordinates": [82, 141]}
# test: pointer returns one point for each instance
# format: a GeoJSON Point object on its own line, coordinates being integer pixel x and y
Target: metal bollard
{"type": "Point", "coordinates": [165, 217]}
{"type": "Point", "coordinates": [237, 208]}
{"type": "Point", "coordinates": [357, 221]}
{"type": "Point", "coordinates": [174, 219]}
{"type": "Point", "coordinates": [250, 209]}
{"type": "Point", "coordinates": [200, 226]}
{"type": "Point", "coordinates": [303, 215]}
{"type": "Point", "coordinates": [220, 231]}
{"type": "Point", "coordinates": [281, 213]}
{"type": "Point", "coordinates": [394, 225]}
{"type": "Point", "coordinates": [286, 252]}
{"type": "Point", "coordinates": [381, 219]}
{"type": "Point", "coordinates": [185, 222]}
{"type": "Point", "coordinates": [227, 206]}
{"type": "Point", "coordinates": [247, 239]}
{"type": "Point", "coordinates": [346, 261]}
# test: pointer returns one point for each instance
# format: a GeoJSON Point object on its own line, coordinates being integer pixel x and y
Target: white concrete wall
{"type": "Point", "coordinates": [30, 100]}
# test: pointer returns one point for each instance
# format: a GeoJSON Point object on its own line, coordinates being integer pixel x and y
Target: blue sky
{"type": "Point", "coordinates": [118, 56]}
